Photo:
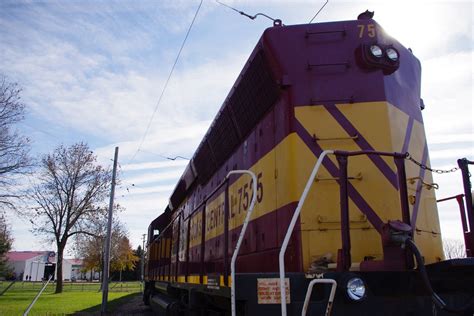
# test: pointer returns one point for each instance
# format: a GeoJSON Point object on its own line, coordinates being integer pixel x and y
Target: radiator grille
{"type": "Point", "coordinates": [251, 98]}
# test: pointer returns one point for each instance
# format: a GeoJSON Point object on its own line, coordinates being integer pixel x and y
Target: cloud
{"type": "Point", "coordinates": [132, 190]}
{"type": "Point", "coordinates": [452, 153]}
{"type": "Point", "coordinates": [169, 141]}
{"type": "Point", "coordinates": [110, 84]}
{"type": "Point", "coordinates": [451, 138]}
{"type": "Point", "coordinates": [155, 177]}
{"type": "Point", "coordinates": [153, 165]}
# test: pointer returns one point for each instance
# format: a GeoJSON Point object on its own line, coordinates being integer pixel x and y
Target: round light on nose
{"type": "Point", "coordinates": [356, 289]}
{"type": "Point", "coordinates": [392, 54]}
{"type": "Point", "coordinates": [376, 51]}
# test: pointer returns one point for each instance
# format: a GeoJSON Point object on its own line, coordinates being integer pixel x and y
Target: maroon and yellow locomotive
{"type": "Point", "coordinates": [343, 96]}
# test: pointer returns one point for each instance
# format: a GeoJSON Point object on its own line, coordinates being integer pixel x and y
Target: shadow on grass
{"type": "Point", "coordinates": [112, 306]}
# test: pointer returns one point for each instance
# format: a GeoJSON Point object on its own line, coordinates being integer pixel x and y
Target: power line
{"type": "Point", "coordinates": [166, 83]}
{"type": "Point", "coordinates": [164, 157]}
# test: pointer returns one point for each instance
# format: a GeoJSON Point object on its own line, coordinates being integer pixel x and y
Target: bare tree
{"type": "Point", "coordinates": [70, 187]}
{"type": "Point", "coordinates": [14, 148]}
{"type": "Point", "coordinates": [454, 248]}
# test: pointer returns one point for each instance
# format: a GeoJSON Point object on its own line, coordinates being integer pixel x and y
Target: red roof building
{"type": "Point", "coordinates": [32, 265]}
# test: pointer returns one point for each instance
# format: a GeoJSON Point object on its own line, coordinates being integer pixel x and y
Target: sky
{"type": "Point", "coordinates": [93, 71]}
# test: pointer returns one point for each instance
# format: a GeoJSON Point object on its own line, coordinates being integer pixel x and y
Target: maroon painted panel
{"type": "Point", "coordinates": [214, 249]}
{"type": "Point", "coordinates": [266, 232]}
{"type": "Point", "coordinates": [255, 247]}
{"type": "Point", "coordinates": [293, 256]}
{"type": "Point", "coordinates": [319, 62]}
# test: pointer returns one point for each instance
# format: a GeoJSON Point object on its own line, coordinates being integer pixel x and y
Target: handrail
{"type": "Point", "coordinates": [36, 297]}
{"type": "Point", "coordinates": [8, 287]}
{"type": "Point", "coordinates": [459, 196]}
{"type": "Point", "coordinates": [468, 244]}
{"type": "Point", "coordinates": [292, 226]}
{"type": "Point", "coordinates": [242, 233]}
{"type": "Point", "coordinates": [310, 290]}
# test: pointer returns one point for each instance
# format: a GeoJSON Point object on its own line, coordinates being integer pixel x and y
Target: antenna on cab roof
{"type": "Point", "coordinates": [276, 22]}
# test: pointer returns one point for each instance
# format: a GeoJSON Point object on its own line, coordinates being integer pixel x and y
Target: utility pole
{"type": "Point", "coordinates": [143, 260]}
{"type": "Point", "coordinates": [105, 277]}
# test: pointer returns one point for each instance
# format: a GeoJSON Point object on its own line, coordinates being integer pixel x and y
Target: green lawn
{"type": "Point", "coordinates": [76, 297]}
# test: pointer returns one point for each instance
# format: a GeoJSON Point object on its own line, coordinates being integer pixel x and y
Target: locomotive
{"type": "Point", "coordinates": [301, 198]}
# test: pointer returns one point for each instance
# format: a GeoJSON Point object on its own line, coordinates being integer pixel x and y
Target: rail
{"type": "Point", "coordinates": [36, 297]}
{"type": "Point", "coordinates": [7, 288]}
{"type": "Point", "coordinates": [468, 244]}
{"type": "Point", "coordinates": [469, 209]}
{"type": "Point", "coordinates": [242, 233]}
{"type": "Point", "coordinates": [310, 290]}
{"type": "Point", "coordinates": [292, 226]}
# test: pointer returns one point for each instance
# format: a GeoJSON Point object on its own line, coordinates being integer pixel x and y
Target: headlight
{"type": "Point", "coordinates": [376, 51]}
{"type": "Point", "coordinates": [356, 289]}
{"type": "Point", "coordinates": [375, 56]}
{"type": "Point", "coordinates": [392, 54]}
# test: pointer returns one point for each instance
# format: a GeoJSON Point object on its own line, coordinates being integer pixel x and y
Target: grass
{"type": "Point", "coordinates": [76, 297]}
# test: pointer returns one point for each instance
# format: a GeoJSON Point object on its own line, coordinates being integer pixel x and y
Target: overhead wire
{"type": "Point", "coordinates": [165, 157]}
{"type": "Point", "coordinates": [128, 185]}
{"type": "Point", "coordinates": [166, 83]}
{"type": "Point", "coordinates": [320, 9]}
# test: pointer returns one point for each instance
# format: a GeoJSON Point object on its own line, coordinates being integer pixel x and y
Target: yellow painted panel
{"type": "Point", "coordinates": [319, 243]}
{"type": "Point", "coordinates": [194, 279]}
{"type": "Point", "coordinates": [430, 245]}
{"type": "Point", "coordinates": [215, 217]}
{"type": "Point", "coordinates": [183, 240]}
{"type": "Point", "coordinates": [241, 193]}
{"type": "Point", "coordinates": [398, 125]}
{"type": "Point", "coordinates": [371, 119]}
{"type": "Point", "coordinates": [384, 128]}
{"type": "Point", "coordinates": [196, 229]}
{"type": "Point", "coordinates": [373, 122]}
{"type": "Point", "coordinates": [415, 148]}
{"type": "Point", "coordinates": [374, 186]}
{"type": "Point", "coordinates": [240, 196]}
{"type": "Point", "coordinates": [428, 206]}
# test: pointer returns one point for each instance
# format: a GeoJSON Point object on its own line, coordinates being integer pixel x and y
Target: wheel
{"type": "Point", "coordinates": [147, 294]}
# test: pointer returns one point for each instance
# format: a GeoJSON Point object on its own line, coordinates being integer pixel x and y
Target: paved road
{"type": "Point", "coordinates": [133, 307]}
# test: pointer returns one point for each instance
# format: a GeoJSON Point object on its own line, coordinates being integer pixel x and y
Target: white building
{"type": "Point", "coordinates": [39, 265]}
{"type": "Point", "coordinates": [32, 265]}
{"type": "Point", "coordinates": [77, 269]}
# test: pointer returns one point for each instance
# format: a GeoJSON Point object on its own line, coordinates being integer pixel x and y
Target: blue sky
{"type": "Point", "coordinates": [93, 71]}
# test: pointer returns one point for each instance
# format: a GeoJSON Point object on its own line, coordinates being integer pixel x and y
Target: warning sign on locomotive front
{"type": "Point", "coordinates": [268, 291]}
